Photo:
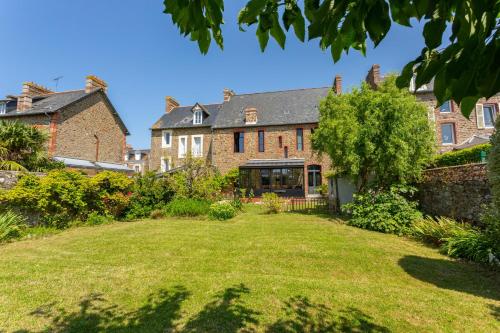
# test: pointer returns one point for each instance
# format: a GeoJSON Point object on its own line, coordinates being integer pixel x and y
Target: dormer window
{"type": "Point", "coordinates": [198, 117]}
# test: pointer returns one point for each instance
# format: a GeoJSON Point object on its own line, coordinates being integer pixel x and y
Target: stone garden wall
{"type": "Point", "coordinates": [8, 179]}
{"type": "Point", "coordinates": [458, 192]}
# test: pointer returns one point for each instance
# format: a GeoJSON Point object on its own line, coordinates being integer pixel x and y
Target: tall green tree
{"type": "Point", "coordinates": [382, 135]}
{"type": "Point", "coordinates": [465, 68]}
{"type": "Point", "coordinates": [22, 148]}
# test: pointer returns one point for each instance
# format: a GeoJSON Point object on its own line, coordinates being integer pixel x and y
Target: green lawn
{"type": "Point", "coordinates": [284, 273]}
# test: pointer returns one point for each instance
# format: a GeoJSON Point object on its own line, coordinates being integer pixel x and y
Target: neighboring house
{"type": "Point", "coordinates": [137, 160]}
{"type": "Point", "coordinates": [83, 125]}
{"type": "Point", "coordinates": [265, 135]}
{"type": "Point", "coordinates": [182, 130]}
{"type": "Point", "coordinates": [453, 130]}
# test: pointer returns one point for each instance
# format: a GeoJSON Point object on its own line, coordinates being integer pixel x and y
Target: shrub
{"type": "Point", "coordinates": [463, 156]}
{"type": "Point", "coordinates": [435, 231]}
{"type": "Point", "coordinates": [187, 207]}
{"type": "Point", "coordinates": [237, 204]}
{"type": "Point", "coordinates": [468, 244]}
{"type": "Point", "coordinates": [156, 214]}
{"type": "Point", "coordinates": [272, 202]}
{"type": "Point", "coordinates": [11, 225]}
{"type": "Point", "coordinates": [115, 204]}
{"type": "Point", "coordinates": [384, 211]}
{"type": "Point", "coordinates": [95, 218]}
{"type": "Point", "coordinates": [221, 210]}
{"type": "Point", "coordinates": [149, 192]}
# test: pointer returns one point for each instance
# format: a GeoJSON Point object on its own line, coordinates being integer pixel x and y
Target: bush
{"type": "Point", "coordinates": [435, 231]}
{"type": "Point", "coordinates": [221, 210]}
{"type": "Point", "coordinates": [156, 214]}
{"type": "Point", "coordinates": [272, 202]}
{"type": "Point", "coordinates": [95, 218]}
{"type": "Point", "coordinates": [237, 204]}
{"type": "Point", "coordinates": [383, 211]}
{"type": "Point", "coordinates": [11, 225]}
{"type": "Point", "coordinates": [187, 207]}
{"type": "Point", "coordinates": [463, 156]}
{"type": "Point", "coordinates": [149, 192]}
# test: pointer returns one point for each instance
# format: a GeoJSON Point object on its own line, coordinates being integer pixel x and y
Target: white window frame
{"type": "Point", "coordinates": [450, 107]}
{"type": "Point", "coordinates": [126, 157]}
{"type": "Point", "coordinates": [452, 134]}
{"type": "Point", "coordinates": [137, 156]}
{"type": "Point", "coordinates": [164, 167]}
{"type": "Point", "coordinates": [193, 145]}
{"type": "Point", "coordinates": [3, 108]}
{"type": "Point", "coordinates": [137, 165]}
{"type": "Point", "coordinates": [184, 153]}
{"type": "Point", "coordinates": [493, 107]}
{"type": "Point", "coordinates": [164, 143]}
{"type": "Point", "coordinates": [197, 114]}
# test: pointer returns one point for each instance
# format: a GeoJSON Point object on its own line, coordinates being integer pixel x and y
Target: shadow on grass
{"type": "Point", "coordinates": [302, 316]}
{"type": "Point", "coordinates": [495, 311]}
{"type": "Point", "coordinates": [226, 313]}
{"type": "Point", "coordinates": [453, 275]}
{"type": "Point", "coordinates": [95, 314]}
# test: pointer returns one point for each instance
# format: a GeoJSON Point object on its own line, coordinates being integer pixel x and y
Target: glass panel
{"type": "Point", "coordinates": [245, 178]}
{"type": "Point", "coordinates": [447, 133]}
{"type": "Point", "coordinates": [488, 116]}
{"type": "Point", "coordinates": [300, 141]}
{"type": "Point", "coordinates": [446, 107]}
{"type": "Point", "coordinates": [286, 152]}
{"type": "Point", "coordinates": [255, 179]}
{"type": "Point", "coordinates": [264, 178]}
{"type": "Point", "coordinates": [197, 146]}
{"type": "Point", "coordinates": [297, 178]}
{"type": "Point", "coordinates": [285, 178]}
{"type": "Point", "coordinates": [261, 141]}
{"type": "Point", "coordinates": [276, 179]}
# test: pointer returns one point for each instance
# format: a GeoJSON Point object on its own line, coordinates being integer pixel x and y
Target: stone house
{"type": "Point", "coordinates": [265, 135]}
{"type": "Point", "coordinates": [453, 130]}
{"type": "Point", "coordinates": [83, 125]}
{"type": "Point", "coordinates": [137, 159]}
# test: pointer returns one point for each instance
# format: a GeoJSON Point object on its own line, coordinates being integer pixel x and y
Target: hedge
{"type": "Point", "coordinates": [460, 157]}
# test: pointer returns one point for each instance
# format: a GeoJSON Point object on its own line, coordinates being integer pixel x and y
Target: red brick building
{"type": "Point", "coordinates": [83, 125]}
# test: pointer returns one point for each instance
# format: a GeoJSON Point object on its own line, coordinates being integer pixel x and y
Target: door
{"type": "Point", "coordinates": [313, 179]}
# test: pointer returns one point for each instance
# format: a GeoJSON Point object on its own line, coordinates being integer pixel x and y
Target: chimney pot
{"type": "Point", "coordinates": [171, 103]}
{"type": "Point", "coordinates": [93, 82]}
{"type": "Point", "coordinates": [30, 90]}
{"type": "Point", "coordinates": [228, 93]}
{"type": "Point", "coordinates": [337, 84]}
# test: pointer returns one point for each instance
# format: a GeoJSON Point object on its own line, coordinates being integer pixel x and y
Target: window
{"type": "Point", "coordinates": [239, 142]}
{"type": "Point", "coordinates": [261, 141]}
{"type": "Point", "coordinates": [197, 145]}
{"type": "Point", "coordinates": [182, 146]}
{"type": "Point", "coordinates": [166, 139]}
{"type": "Point", "coordinates": [489, 115]}
{"type": "Point", "coordinates": [280, 141]}
{"type": "Point", "coordinates": [446, 107]}
{"type": "Point", "coordinates": [137, 168]}
{"type": "Point", "coordinates": [165, 164]}
{"type": "Point", "coordinates": [448, 134]}
{"type": "Point", "coordinates": [198, 117]}
{"type": "Point", "coordinates": [300, 139]}
{"type": "Point", "coordinates": [313, 178]}
{"type": "Point", "coordinates": [126, 157]}
{"type": "Point", "coordinates": [286, 152]}
{"type": "Point", "coordinates": [137, 156]}
{"type": "Point", "coordinates": [3, 108]}
{"type": "Point", "coordinates": [264, 179]}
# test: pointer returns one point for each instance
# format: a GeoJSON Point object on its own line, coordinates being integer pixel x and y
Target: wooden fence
{"type": "Point", "coordinates": [319, 205]}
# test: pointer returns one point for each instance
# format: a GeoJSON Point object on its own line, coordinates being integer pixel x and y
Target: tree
{"type": "Point", "coordinates": [383, 133]}
{"type": "Point", "coordinates": [22, 148]}
{"type": "Point", "coordinates": [465, 70]}
{"type": "Point", "coordinates": [494, 169]}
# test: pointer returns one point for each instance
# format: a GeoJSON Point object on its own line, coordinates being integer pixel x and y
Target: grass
{"type": "Point", "coordinates": [256, 272]}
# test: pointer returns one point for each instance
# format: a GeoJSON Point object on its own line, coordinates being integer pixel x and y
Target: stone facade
{"type": "Point", "coordinates": [8, 179]}
{"type": "Point", "coordinates": [463, 128]}
{"type": "Point", "coordinates": [159, 152]}
{"type": "Point", "coordinates": [459, 192]}
{"type": "Point", "coordinates": [225, 158]}
{"type": "Point", "coordinates": [88, 130]}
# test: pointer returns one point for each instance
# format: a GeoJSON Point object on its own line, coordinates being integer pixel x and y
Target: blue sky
{"type": "Point", "coordinates": [137, 50]}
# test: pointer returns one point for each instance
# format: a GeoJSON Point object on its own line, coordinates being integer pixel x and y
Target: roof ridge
{"type": "Point", "coordinates": [278, 91]}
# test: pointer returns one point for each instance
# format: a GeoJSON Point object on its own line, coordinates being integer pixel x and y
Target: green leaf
{"type": "Point", "coordinates": [468, 104]}
{"type": "Point", "coordinates": [263, 37]}
{"type": "Point", "coordinates": [433, 32]}
{"type": "Point", "coordinates": [277, 31]}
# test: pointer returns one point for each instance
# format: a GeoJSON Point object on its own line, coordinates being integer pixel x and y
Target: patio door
{"type": "Point", "coordinates": [313, 178]}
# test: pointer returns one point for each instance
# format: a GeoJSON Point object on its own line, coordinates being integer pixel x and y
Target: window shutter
{"type": "Point", "coordinates": [431, 114]}
{"type": "Point", "coordinates": [479, 116]}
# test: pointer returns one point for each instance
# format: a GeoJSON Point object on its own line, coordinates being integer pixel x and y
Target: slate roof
{"type": "Point", "coordinates": [273, 108]}
{"type": "Point", "coordinates": [54, 102]}
{"type": "Point", "coordinates": [182, 117]}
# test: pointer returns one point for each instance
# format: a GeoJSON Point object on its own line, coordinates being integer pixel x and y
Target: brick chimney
{"type": "Point", "coordinates": [171, 103]}
{"type": "Point", "coordinates": [30, 90]}
{"type": "Point", "coordinates": [228, 93]}
{"type": "Point", "coordinates": [250, 116]}
{"type": "Point", "coordinates": [337, 84]}
{"type": "Point", "coordinates": [373, 77]}
{"type": "Point", "coordinates": [93, 82]}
